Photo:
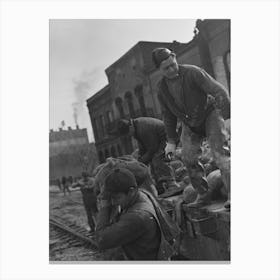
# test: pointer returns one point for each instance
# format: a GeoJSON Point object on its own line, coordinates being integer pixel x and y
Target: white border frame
{"type": "Point", "coordinates": [24, 138]}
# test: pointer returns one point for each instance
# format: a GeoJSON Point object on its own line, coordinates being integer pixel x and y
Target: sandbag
{"type": "Point", "coordinates": [189, 194]}
{"type": "Point", "coordinates": [140, 171]}
{"type": "Point", "coordinates": [216, 185]}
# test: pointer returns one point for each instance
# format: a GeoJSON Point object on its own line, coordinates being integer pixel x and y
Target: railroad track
{"type": "Point", "coordinates": [70, 242]}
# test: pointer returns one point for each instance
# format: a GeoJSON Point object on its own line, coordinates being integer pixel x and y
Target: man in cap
{"type": "Point", "coordinates": [142, 229]}
{"type": "Point", "coordinates": [151, 139]}
{"type": "Point", "coordinates": [86, 185]}
{"type": "Point", "coordinates": [189, 94]}
{"type": "Point", "coordinates": [65, 185]}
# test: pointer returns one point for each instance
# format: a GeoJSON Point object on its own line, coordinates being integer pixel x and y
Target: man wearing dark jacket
{"type": "Point", "coordinates": [142, 229]}
{"type": "Point", "coordinates": [151, 138]}
{"type": "Point", "coordinates": [188, 94]}
{"type": "Point", "coordinates": [86, 185]}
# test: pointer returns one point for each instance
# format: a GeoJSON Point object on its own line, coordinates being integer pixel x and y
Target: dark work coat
{"type": "Point", "coordinates": [136, 231]}
{"type": "Point", "coordinates": [200, 94]}
{"type": "Point", "coordinates": [150, 135]}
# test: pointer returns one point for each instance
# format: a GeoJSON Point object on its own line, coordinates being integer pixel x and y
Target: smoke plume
{"type": "Point", "coordinates": [81, 91]}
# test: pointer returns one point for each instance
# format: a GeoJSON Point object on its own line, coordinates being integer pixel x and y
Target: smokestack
{"type": "Point", "coordinates": [75, 112]}
{"type": "Point", "coordinates": [77, 127]}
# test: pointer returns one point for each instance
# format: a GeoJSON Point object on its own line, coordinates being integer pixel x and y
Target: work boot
{"type": "Point", "coordinates": [91, 230]}
{"type": "Point", "coordinates": [227, 205]}
{"type": "Point", "coordinates": [201, 200]}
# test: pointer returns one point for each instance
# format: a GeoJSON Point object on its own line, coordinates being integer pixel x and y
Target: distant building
{"type": "Point", "coordinates": [63, 140]}
{"type": "Point", "coordinates": [70, 152]}
{"type": "Point", "coordinates": [132, 88]}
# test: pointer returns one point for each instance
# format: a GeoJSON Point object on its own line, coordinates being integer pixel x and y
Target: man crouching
{"type": "Point", "coordinates": [142, 228]}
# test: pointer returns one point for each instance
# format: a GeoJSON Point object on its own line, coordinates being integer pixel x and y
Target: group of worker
{"type": "Point", "coordinates": [189, 95]}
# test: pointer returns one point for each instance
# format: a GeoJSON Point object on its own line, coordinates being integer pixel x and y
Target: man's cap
{"type": "Point", "coordinates": [119, 180]}
{"type": "Point", "coordinates": [160, 54]}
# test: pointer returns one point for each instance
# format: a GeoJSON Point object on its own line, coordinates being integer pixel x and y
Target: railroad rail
{"type": "Point", "coordinates": [66, 236]}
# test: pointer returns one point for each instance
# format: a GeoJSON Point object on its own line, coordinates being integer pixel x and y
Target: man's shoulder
{"type": "Point", "coordinates": [137, 216]}
{"type": "Point", "coordinates": [142, 207]}
{"type": "Point", "coordinates": [185, 68]}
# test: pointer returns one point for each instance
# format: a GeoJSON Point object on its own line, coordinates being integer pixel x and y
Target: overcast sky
{"type": "Point", "coordinates": [80, 51]}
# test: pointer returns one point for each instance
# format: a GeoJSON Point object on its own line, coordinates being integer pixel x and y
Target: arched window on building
{"type": "Point", "coordinates": [95, 129]}
{"type": "Point", "coordinates": [101, 157]}
{"type": "Point", "coordinates": [102, 125]}
{"type": "Point", "coordinates": [106, 154]}
{"type": "Point", "coordinates": [119, 105]}
{"type": "Point", "coordinates": [119, 150]}
{"type": "Point", "coordinates": [109, 117]}
{"type": "Point", "coordinates": [113, 152]}
{"type": "Point", "coordinates": [140, 96]}
{"type": "Point", "coordinates": [129, 99]}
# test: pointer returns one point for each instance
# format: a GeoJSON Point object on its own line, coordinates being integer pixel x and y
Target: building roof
{"type": "Point", "coordinates": [146, 48]}
{"type": "Point", "coordinates": [101, 92]}
{"type": "Point", "coordinates": [61, 135]}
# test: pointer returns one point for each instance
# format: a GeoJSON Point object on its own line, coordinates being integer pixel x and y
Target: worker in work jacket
{"type": "Point", "coordinates": [151, 139]}
{"type": "Point", "coordinates": [86, 185]}
{"type": "Point", "coordinates": [189, 94]}
{"type": "Point", "coordinates": [142, 229]}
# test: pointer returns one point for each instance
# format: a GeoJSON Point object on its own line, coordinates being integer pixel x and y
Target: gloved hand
{"type": "Point", "coordinates": [170, 148]}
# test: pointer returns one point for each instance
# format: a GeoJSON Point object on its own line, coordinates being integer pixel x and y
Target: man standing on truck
{"type": "Point", "coordinates": [151, 139]}
{"type": "Point", "coordinates": [189, 94]}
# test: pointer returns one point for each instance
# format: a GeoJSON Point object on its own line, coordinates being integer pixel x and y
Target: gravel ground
{"type": "Point", "coordinates": [71, 209]}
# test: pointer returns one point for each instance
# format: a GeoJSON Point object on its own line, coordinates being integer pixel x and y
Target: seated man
{"type": "Point", "coordinates": [151, 139]}
{"type": "Point", "coordinates": [142, 228]}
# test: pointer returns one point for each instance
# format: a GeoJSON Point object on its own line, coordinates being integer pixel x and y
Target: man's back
{"type": "Point", "coordinates": [149, 131]}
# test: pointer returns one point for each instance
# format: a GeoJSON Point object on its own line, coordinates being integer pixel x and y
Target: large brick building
{"type": "Point", "coordinates": [132, 88]}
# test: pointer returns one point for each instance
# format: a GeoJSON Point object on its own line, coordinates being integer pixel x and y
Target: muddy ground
{"type": "Point", "coordinates": [69, 208]}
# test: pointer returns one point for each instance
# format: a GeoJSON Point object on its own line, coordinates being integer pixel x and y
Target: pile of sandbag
{"type": "Point", "coordinates": [140, 171]}
{"type": "Point", "coordinates": [216, 188]}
